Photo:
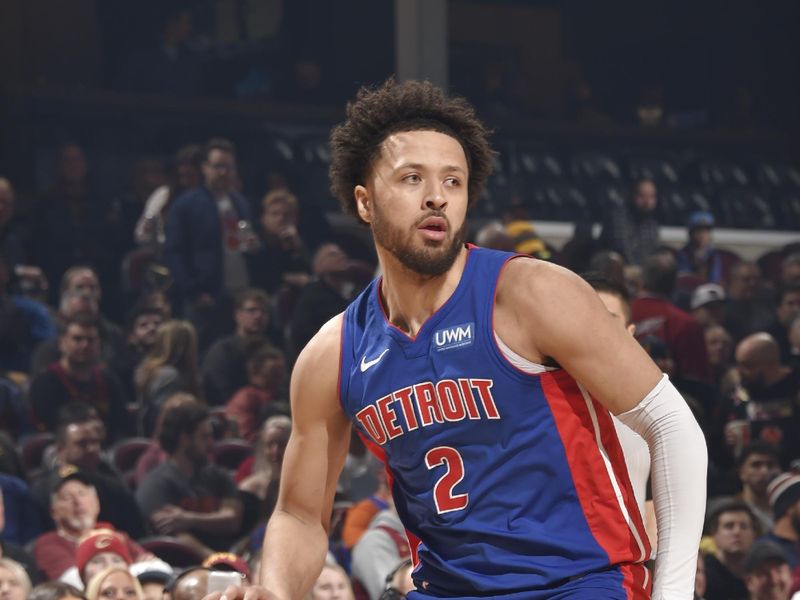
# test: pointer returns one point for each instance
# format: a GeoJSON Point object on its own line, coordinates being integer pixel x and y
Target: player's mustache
{"type": "Point", "coordinates": [434, 213]}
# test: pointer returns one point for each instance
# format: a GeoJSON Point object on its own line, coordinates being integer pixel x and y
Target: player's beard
{"type": "Point", "coordinates": [432, 259]}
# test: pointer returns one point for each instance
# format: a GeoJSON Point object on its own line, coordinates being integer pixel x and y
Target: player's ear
{"type": "Point", "coordinates": [631, 328]}
{"type": "Point", "coordinates": [363, 204]}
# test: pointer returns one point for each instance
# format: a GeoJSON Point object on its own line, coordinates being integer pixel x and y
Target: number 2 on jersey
{"type": "Point", "coordinates": [446, 500]}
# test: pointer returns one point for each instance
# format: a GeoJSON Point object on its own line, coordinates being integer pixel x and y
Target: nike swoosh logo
{"type": "Point", "coordinates": [366, 364]}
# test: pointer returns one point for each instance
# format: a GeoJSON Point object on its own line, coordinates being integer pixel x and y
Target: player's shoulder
{"type": "Point", "coordinates": [324, 349]}
{"type": "Point", "coordinates": [533, 281]}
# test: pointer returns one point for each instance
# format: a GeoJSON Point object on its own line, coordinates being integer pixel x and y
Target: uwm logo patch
{"type": "Point", "coordinates": [457, 336]}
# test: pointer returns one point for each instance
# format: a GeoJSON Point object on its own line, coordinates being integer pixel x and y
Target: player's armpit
{"type": "Point", "coordinates": [296, 539]}
{"type": "Point", "coordinates": [545, 311]}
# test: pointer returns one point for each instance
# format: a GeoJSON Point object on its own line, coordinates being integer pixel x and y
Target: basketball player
{"type": "Point", "coordinates": [484, 381]}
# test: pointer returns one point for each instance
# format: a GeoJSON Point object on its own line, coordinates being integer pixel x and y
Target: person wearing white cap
{"type": "Point", "coordinates": [784, 496]}
{"type": "Point", "coordinates": [708, 304]}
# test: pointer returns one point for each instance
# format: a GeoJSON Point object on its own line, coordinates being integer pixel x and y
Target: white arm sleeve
{"type": "Point", "coordinates": [679, 464]}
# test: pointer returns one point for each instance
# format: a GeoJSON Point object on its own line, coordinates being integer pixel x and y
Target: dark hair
{"type": "Point", "coordinates": [66, 278]}
{"type": "Point", "coordinates": [254, 295]}
{"type": "Point", "coordinates": [725, 506]}
{"type": "Point", "coordinates": [262, 354]}
{"type": "Point", "coordinates": [73, 413]}
{"type": "Point", "coordinates": [53, 590]}
{"type": "Point", "coordinates": [786, 288]}
{"type": "Point", "coordinates": [758, 447]}
{"type": "Point", "coordinates": [377, 113]}
{"type": "Point", "coordinates": [184, 418]}
{"type": "Point", "coordinates": [218, 144]}
{"type": "Point", "coordinates": [191, 154]}
{"type": "Point", "coordinates": [80, 319]}
{"type": "Point", "coordinates": [660, 273]}
{"type": "Point", "coordinates": [602, 283]}
{"type": "Point", "coordinates": [140, 311]}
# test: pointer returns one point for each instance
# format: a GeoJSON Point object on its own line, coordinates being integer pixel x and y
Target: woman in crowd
{"type": "Point", "coordinates": [332, 584]}
{"type": "Point", "coordinates": [14, 581]}
{"type": "Point", "coordinates": [170, 367]}
{"type": "Point", "coordinates": [114, 583]}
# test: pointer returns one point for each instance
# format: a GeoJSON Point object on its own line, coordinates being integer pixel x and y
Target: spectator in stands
{"type": "Point", "coordinates": [70, 220]}
{"type": "Point", "coordinates": [749, 308]}
{"type": "Point", "coordinates": [142, 335]}
{"type": "Point", "coordinates": [153, 582]}
{"type": "Point", "coordinates": [170, 367]}
{"type": "Point", "coordinates": [14, 581]}
{"type": "Point", "coordinates": [55, 590]}
{"type": "Point", "coordinates": [378, 552]}
{"type": "Point", "coordinates": [768, 576]}
{"type": "Point", "coordinates": [8, 548]}
{"type": "Point", "coordinates": [632, 229]}
{"type": "Point", "coordinates": [610, 264]}
{"type": "Point", "coordinates": [265, 396]}
{"type": "Point", "coordinates": [154, 455]}
{"type": "Point", "coordinates": [794, 344]}
{"type": "Point", "coordinates": [767, 403]}
{"type": "Point", "coordinates": [283, 257]}
{"type": "Point", "coordinates": [787, 309]}
{"type": "Point", "coordinates": [189, 584]}
{"type": "Point", "coordinates": [14, 412]}
{"type": "Point", "coordinates": [732, 526]}
{"type": "Point", "coordinates": [326, 296]}
{"type": "Point", "coordinates": [78, 440]}
{"type": "Point", "coordinates": [75, 508]}
{"type": "Point", "coordinates": [80, 292]}
{"type": "Point", "coordinates": [784, 496]}
{"type": "Point", "coordinates": [186, 496]}
{"type": "Point", "coordinates": [203, 245]}
{"type": "Point", "coordinates": [186, 175]}
{"type": "Point", "coordinates": [260, 488]}
{"type": "Point", "coordinates": [20, 520]}
{"type": "Point", "coordinates": [708, 304]}
{"type": "Point", "coordinates": [332, 584]}
{"type": "Point", "coordinates": [699, 257]}
{"type": "Point", "coordinates": [77, 377]}
{"type": "Point", "coordinates": [719, 346]}
{"type": "Point", "coordinates": [790, 269]}
{"type": "Point", "coordinates": [114, 583]}
{"type": "Point", "coordinates": [360, 515]}
{"type": "Point", "coordinates": [654, 314]}
{"type": "Point", "coordinates": [757, 465]}
{"type": "Point", "coordinates": [24, 323]}
{"type": "Point", "coordinates": [224, 367]}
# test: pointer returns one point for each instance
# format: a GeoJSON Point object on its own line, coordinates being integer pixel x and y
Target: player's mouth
{"type": "Point", "coordinates": [434, 228]}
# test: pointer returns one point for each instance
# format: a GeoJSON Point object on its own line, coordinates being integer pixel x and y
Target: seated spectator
{"type": "Point", "coordinates": [170, 367]}
{"type": "Point", "coordinates": [719, 346]}
{"type": "Point", "coordinates": [266, 395]}
{"type": "Point", "coordinates": [224, 369]}
{"type": "Point", "coordinates": [766, 403]}
{"type": "Point", "coordinates": [76, 377]}
{"type": "Point", "coordinates": [654, 314]}
{"type": "Point", "coordinates": [732, 526]}
{"type": "Point", "coordinates": [332, 583]}
{"type": "Point", "coordinates": [708, 304]}
{"type": "Point", "coordinates": [78, 446]}
{"type": "Point", "coordinates": [16, 552]}
{"type": "Point", "coordinates": [116, 583]}
{"type": "Point", "coordinates": [75, 508]}
{"type": "Point", "coordinates": [749, 307]}
{"type": "Point", "coordinates": [784, 496]}
{"type": "Point", "coordinates": [142, 335]}
{"type": "Point", "coordinates": [259, 490]}
{"type": "Point", "coordinates": [699, 257]}
{"type": "Point", "coordinates": [20, 520]}
{"type": "Point", "coordinates": [794, 342]}
{"type": "Point", "coordinates": [378, 552]}
{"type": "Point", "coordinates": [790, 267]}
{"type": "Point", "coordinates": [14, 412]}
{"type": "Point", "coordinates": [153, 582]}
{"type": "Point", "coordinates": [632, 229]}
{"type": "Point", "coordinates": [786, 311]}
{"type": "Point", "coordinates": [283, 257]}
{"type": "Point", "coordinates": [186, 176]}
{"type": "Point", "coordinates": [189, 584]}
{"type": "Point", "coordinates": [758, 464]}
{"type": "Point", "coordinates": [80, 292]}
{"type": "Point", "coordinates": [55, 590]}
{"type": "Point", "coordinates": [360, 515]}
{"type": "Point", "coordinates": [14, 581]}
{"type": "Point", "coordinates": [186, 496]}
{"type": "Point", "coordinates": [154, 455]}
{"type": "Point", "coordinates": [768, 576]}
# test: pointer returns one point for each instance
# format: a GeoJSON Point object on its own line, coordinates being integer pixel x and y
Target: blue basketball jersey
{"type": "Point", "coordinates": [509, 484]}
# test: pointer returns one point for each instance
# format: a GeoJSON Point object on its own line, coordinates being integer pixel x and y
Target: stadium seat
{"type": "Point", "coordinates": [125, 453]}
{"type": "Point", "coordinates": [172, 551]}
{"type": "Point", "coordinates": [675, 204]}
{"type": "Point", "coordinates": [596, 167]}
{"type": "Point", "coordinates": [788, 209]}
{"type": "Point", "coordinates": [778, 176]}
{"type": "Point", "coordinates": [723, 174]}
{"type": "Point", "coordinates": [660, 170]}
{"type": "Point", "coordinates": [560, 202]}
{"type": "Point", "coordinates": [535, 164]}
{"type": "Point", "coordinates": [32, 449]}
{"type": "Point", "coordinates": [230, 453]}
{"type": "Point", "coordinates": [746, 208]}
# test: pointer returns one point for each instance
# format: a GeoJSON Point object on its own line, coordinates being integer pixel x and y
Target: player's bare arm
{"type": "Point", "coordinates": [296, 541]}
{"type": "Point", "coordinates": [547, 312]}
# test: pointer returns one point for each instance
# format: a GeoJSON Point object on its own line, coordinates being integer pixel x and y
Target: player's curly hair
{"type": "Point", "coordinates": [377, 113]}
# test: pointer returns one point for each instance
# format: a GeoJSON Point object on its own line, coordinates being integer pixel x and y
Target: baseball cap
{"type": "Point", "coordinates": [97, 542]}
{"type": "Point", "coordinates": [783, 491]}
{"type": "Point", "coordinates": [66, 473]}
{"type": "Point", "coordinates": [227, 561]}
{"type": "Point", "coordinates": [700, 218]}
{"type": "Point", "coordinates": [762, 552]}
{"type": "Point", "coordinates": [706, 294]}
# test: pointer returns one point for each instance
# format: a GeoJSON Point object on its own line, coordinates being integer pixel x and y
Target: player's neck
{"type": "Point", "coordinates": [410, 298]}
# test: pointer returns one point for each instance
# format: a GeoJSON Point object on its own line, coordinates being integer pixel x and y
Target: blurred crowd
{"type": "Point", "coordinates": [146, 345]}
